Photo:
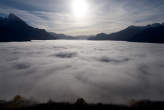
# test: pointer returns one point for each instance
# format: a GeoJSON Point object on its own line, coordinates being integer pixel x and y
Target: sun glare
{"type": "Point", "coordinates": [80, 8]}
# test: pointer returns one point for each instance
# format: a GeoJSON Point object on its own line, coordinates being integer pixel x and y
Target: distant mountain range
{"type": "Point", "coordinates": [153, 33]}
{"type": "Point", "coordinates": [62, 36]}
{"type": "Point", "coordinates": [13, 28]}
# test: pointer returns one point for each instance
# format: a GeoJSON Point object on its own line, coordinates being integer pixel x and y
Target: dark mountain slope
{"type": "Point", "coordinates": [13, 28]}
{"type": "Point", "coordinates": [151, 33]}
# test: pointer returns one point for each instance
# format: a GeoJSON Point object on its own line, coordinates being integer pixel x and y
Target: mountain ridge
{"type": "Point", "coordinates": [13, 28]}
{"type": "Point", "coordinates": [153, 33]}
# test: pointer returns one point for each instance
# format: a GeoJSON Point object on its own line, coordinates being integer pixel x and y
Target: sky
{"type": "Point", "coordinates": [85, 17]}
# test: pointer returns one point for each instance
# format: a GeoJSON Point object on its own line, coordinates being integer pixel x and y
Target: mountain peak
{"type": "Point", "coordinates": [155, 25]}
{"type": "Point", "coordinates": [14, 28]}
{"type": "Point", "coordinates": [101, 34]}
{"type": "Point", "coordinates": [162, 24]}
{"type": "Point", "coordinates": [13, 17]}
{"type": "Point", "coordinates": [132, 27]}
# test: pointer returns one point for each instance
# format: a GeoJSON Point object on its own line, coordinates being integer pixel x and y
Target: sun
{"type": "Point", "coordinates": [80, 8]}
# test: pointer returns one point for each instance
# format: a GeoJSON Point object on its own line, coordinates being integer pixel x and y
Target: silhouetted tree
{"type": "Point", "coordinates": [80, 101]}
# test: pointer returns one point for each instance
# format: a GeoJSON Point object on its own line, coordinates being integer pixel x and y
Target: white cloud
{"type": "Point", "coordinates": [104, 71]}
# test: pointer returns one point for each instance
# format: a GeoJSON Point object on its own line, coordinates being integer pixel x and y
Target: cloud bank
{"type": "Point", "coordinates": [104, 71]}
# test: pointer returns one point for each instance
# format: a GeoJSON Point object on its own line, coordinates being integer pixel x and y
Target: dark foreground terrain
{"type": "Point", "coordinates": [20, 103]}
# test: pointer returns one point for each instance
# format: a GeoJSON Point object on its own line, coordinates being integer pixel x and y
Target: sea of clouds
{"type": "Point", "coordinates": [98, 71]}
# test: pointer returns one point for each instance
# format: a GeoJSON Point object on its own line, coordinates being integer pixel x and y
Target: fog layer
{"type": "Point", "coordinates": [98, 71]}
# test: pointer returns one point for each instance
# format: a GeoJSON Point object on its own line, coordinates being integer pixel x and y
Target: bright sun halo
{"type": "Point", "coordinates": [79, 8]}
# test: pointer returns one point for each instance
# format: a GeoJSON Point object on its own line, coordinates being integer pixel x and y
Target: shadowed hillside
{"type": "Point", "coordinates": [151, 33]}
{"type": "Point", "coordinates": [13, 28]}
